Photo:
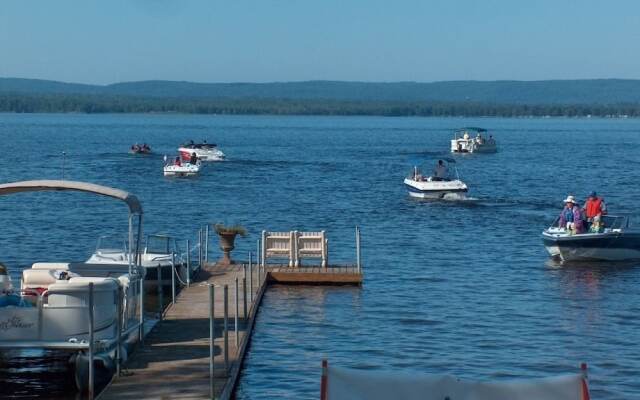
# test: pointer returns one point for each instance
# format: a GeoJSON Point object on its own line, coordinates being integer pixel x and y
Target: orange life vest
{"type": "Point", "coordinates": [593, 207]}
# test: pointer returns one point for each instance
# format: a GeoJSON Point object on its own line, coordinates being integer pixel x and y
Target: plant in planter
{"type": "Point", "coordinates": [227, 236]}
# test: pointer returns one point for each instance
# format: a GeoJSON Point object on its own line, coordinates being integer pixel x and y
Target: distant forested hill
{"type": "Point", "coordinates": [604, 97]}
{"type": "Point", "coordinates": [596, 91]}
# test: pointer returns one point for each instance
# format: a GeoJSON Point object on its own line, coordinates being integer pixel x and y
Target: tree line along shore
{"type": "Point", "coordinates": [96, 104]}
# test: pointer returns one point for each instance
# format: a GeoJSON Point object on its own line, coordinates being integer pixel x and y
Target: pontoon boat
{"type": "Point", "coordinates": [438, 185]}
{"type": "Point", "coordinates": [204, 151]}
{"type": "Point", "coordinates": [470, 140]}
{"type": "Point", "coordinates": [616, 240]}
{"type": "Point", "coordinates": [91, 311]}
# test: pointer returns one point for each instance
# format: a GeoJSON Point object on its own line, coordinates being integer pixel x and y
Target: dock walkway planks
{"type": "Point", "coordinates": [174, 361]}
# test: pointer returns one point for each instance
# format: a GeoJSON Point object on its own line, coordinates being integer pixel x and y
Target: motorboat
{"type": "Point", "coordinates": [441, 184]}
{"type": "Point", "coordinates": [160, 254]}
{"type": "Point", "coordinates": [182, 169]}
{"type": "Point", "coordinates": [471, 140]}
{"type": "Point", "coordinates": [94, 312]}
{"type": "Point", "coordinates": [204, 151]}
{"type": "Point", "coordinates": [615, 240]}
{"type": "Point", "coordinates": [140, 149]}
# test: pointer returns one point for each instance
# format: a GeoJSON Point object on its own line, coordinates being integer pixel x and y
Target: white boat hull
{"type": "Point", "coordinates": [610, 246]}
{"type": "Point", "coordinates": [472, 146]}
{"type": "Point", "coordinates": [435, 189]}
{"type": "Point", "coordinates": [181, 170]}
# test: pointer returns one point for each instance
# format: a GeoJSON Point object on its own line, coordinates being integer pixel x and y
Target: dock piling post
{"type": "Point", "coordinates": [91, 344]}
{"type": "Point", "coordinates": [200, 248]}
{"type": "Point", "coordinates": [358, 248]}
{"type": "Point", "coordinates": [160, 293]}
{"type": "Point", "coordinates": [226, 329]}
{"type": "Point", "coordinates": [236, 315]}
{"type": "Point", "coordinates": [259, 257]}
{"type": "Point", "coordinates": [188, 263]}
{"type": "Point", "coordinates": [206, 244]}
{"type": "Point", "coordinates": [119, 330]}
{"type": "Point", "coordinates": [244, 295]}
{"type": "Point", "coordinates": [211, 340]}
{"type": "Point", "coordinates": [250, 281]}
{"type": "Point", "coordinates": [173, 279]}
{"type": "Point", "coordinates": [141, 301]}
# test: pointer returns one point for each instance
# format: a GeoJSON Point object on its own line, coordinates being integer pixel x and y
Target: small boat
{"type": "Point", "coordinates": [160, 251]}
{"type": "Point", "coordinates": [93, 312]}
{"type": "Point", "coordinates": [182, 169]}
{"type": "Point", "coordinates": [616, 240]}
{"type": "Point", "coordinates": [439, 185]}
{"type": "Point", "coordinates": [140, 149]}
{"type": "Point", "coordinates": [204, 151]}
{"type": "Point", "coordinates": [470, 140]}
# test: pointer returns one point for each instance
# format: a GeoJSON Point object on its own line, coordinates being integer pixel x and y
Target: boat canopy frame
{"type": "Point", "coordinates": [135, 208]}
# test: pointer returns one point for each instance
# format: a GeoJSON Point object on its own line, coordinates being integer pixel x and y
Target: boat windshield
{"type": "Point", "coordinates": [111, 245]}
{"type": "Point", "coordinates": [158, 244]}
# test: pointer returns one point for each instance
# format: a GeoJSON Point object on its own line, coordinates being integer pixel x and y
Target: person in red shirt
{"type": "Point", "coordinates": [594, 209]}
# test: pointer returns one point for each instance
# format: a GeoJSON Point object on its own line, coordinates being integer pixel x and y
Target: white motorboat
{"type": "Point", "coordinates": [441, 184]}
{"type": "Point", "coordinates": [182, 169]}
{"type": "Point", "coordinates": [160, 252]}
{"type": "Point", "coordinates": [471, 140]}
{"type": "Point", "coordinates": [204, 151]}
{"type": "Point", "coordinates": [92, 311]}
{"type": "Point", "coordinates": [616, 240]}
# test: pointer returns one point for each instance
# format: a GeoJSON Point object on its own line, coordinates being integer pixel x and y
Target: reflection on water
{"type": "Point", "coordinates": [456, 287]}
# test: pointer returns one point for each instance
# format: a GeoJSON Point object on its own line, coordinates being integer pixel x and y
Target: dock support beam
{"type": "Point", "coordinates": [206, 244]}
{"type": "Point", "coordinates": [358, 260]}
{"type": "Point", "coordinates": [174, 271]}
{"type": "Point", "coordinates": [236, 297]}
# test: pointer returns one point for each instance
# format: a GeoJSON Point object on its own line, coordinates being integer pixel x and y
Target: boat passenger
{"type": "Point", "coordinates": [571, 216]}
{"type": "Point", "coordinates": [594, 209]}
{"type": "Point", "coordinates": [441, 172]}
{"type": "Point", "coordinates": [194, 159]}
{"type": "Point", "coordinates": [177, 162]}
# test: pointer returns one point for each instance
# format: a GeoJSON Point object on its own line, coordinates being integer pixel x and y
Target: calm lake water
{"type": "Point", "coordinates": [464, 288]}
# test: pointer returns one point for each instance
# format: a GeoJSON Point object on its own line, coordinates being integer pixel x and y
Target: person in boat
{"type": "Point", "coordinates": [441, 172]}
{"type": "Point", "coordinates": [194, 159]}
{"type": "Point", "coordinates": [594, 209]}
{"type": "Point", "coordinates": [177, 162]}
{"type": "Point", "coordinates": [571, 216]}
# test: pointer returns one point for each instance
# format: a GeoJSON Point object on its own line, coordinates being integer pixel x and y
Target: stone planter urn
{"type": "Point", "coordinates": [227, 238]}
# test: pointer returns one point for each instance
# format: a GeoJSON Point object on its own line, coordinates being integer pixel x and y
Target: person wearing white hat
{"type": "Point", "coordinates": [571, 217]}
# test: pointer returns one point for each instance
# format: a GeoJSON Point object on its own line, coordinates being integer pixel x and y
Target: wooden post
{"type": "Point", "coordinates": [173, 279]}
{"type": "Point", "coordinates": [188, 263]}
{"type": "Point", "coordinates": [236, 315]}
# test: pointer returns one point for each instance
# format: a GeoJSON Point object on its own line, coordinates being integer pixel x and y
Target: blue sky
{"type": "Point", "coordinates": [262, 41]}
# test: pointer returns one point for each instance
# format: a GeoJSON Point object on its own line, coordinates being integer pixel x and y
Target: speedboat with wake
{"type": "Point", "coordinates": [615, 240]}
{"type": "Point", "coordinates": [204, 151]}
{"type": "Point", "coordinates": [94, 312]}
{"type": "Point", "coordinates": [470, 140]}
{"type": "Point", "coordinates": [441, 184]}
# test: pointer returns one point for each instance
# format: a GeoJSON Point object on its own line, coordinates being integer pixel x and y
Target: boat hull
{"type": "Point", "coordinates": [616, 246]}
{"type": "Point", "coordinates": [434, 189]}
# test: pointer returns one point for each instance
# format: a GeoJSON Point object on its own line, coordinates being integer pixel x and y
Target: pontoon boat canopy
{"type": "Point", "coordinates": [50, 185]}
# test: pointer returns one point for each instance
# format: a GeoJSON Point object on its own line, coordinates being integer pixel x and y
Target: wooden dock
{"type": "Point", "coordinates": [174, 361]}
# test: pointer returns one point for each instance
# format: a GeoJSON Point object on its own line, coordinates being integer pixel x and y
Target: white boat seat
{"type": "Point", "coordinates": [82, 283]}
{"type": "Point", "coordinates": [50, 265]}
{"type": "Point", "coordinates": [37, 278]}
